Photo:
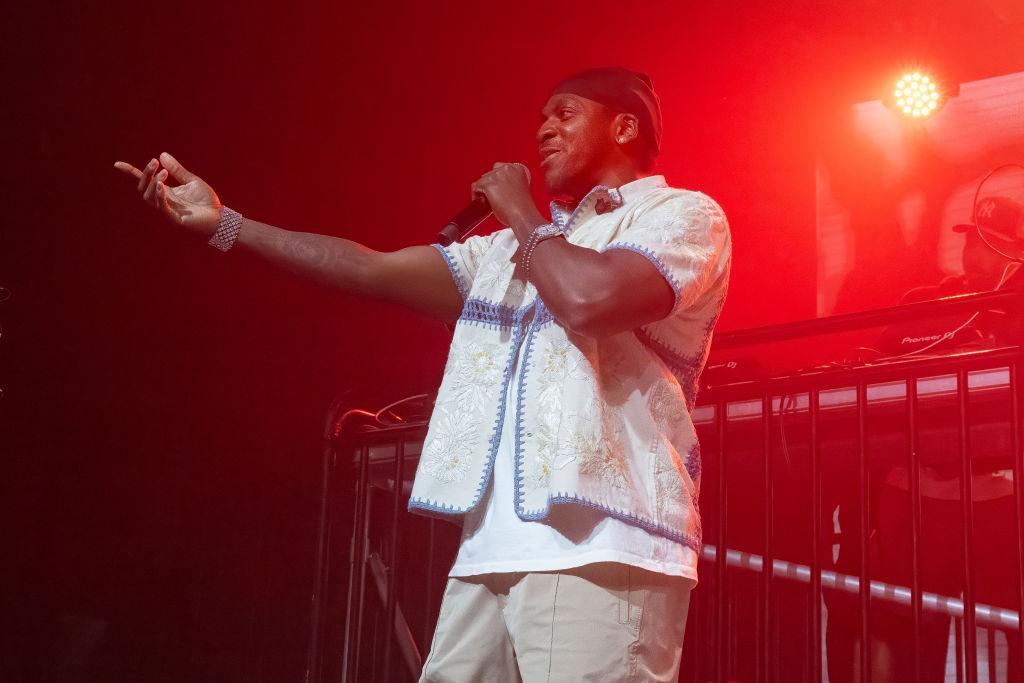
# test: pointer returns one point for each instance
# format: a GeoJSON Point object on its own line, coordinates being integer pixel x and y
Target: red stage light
{"type": "Point", "coordinates": [917, 95]}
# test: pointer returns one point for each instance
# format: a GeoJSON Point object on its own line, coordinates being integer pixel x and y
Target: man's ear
{"type": "Point", "coordinates": [626, 128]}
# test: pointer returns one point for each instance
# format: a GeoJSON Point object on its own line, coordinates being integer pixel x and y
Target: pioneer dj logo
{"type": "Point", "coordinates": [934, 337]}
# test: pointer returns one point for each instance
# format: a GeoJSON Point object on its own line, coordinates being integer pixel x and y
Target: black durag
{"type": "Point", "coordinates": [621, 90]}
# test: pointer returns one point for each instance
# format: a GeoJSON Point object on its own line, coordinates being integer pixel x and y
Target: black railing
{"type": "Point", "coordinates": [858, 426]}
{"type": "Point", "coordinates": [875, 457]}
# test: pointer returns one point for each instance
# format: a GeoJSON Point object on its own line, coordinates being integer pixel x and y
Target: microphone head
{"type": "Point", "coordinates": [472, 215]}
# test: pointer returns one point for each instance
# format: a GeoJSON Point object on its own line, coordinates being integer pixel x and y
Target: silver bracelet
{"type": "Point", "coordinates": [228, 227]}
{"type": "Point", "coordinates": [541, 233]}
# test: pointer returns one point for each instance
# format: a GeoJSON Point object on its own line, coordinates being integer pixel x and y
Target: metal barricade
{"type": "Point", "coordinates": [832, 551]}
{"type": "Point", "coordinates": [853, 518]}
{"type": "Point", "coordinates": [374, 615]}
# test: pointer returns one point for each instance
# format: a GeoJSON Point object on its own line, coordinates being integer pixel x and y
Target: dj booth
{"type": "Point", "coordinates": [862, 514]}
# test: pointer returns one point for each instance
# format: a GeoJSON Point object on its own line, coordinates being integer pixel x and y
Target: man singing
{"type": "Point", "coordinates": [562, 431]}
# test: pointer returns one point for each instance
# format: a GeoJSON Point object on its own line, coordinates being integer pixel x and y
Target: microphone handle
{"type": "Point", "coordinates": [464, 222]}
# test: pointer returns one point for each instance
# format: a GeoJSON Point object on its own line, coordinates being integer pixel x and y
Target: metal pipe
{"type": "Point", "coordinates": [816, 663]}
{"type": "Point", "coordinates": [359, 533]}
{"type": "Point", "coordinates": [720, 625]}
{"type": "Point", "coordinates": [321, 565]}
{"type": "Point", "coordinates": [990, 650]}
{"type": "Point", "coordinates": [970, 634]}
{"type": "Point", "coordinates": [862, 460]}
{"type": "Point", "coordinates": [428, 590]}
{"type": "Point", "coordinates": [913, 463]}
{"type": "Point", "coordinates": [1018, 495]}
{"type": "Point", "coordinates": [410, 654]}
{"type": "Point", "coordinates": [392, 567]}
{"type": "Point", "coordinates": [958, 632]}
{"type": "Point", "coordinates": [764, 664]}
{"type": "Point", "coordinates": [996, 617]}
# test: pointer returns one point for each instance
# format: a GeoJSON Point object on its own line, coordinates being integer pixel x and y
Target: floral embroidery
{"type": "Point", "coordinates": [667, 230]}
{"type": "Point", "coordinates": [478, 248]}
{"type": "Point", "coordinates": [689, 228]}
{"type": "Point", "coordinates": [476, 370]}
{"type": "Point", "coordinates": [668, 480]}
{"type": "Point", "coordinates": [667, 406]}
{"type": "Point", "coordinates": [556, 362]}
{"type": "Point", "coordinates": [546, 438]}
{"type": "Point", "coordinates": [559, 362]}
{"type": "Point", "coordinates": [498, 276]}
{"type": "Point", "coordinates": [557, 449]}
{"type": "Point", "coordinates": [597, 447]}
{"type": "Point", "coordinates": [450, 450]}
{"type": "Point", "coordinates": [552, 455]}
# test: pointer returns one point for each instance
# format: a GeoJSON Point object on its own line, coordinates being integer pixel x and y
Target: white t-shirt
{"type": "Point", "coordinates": [495, 539]}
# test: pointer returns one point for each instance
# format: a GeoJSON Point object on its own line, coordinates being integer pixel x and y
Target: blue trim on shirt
{"type": "Point", "coordinates": [692, 462]}
{"type": "Point", "coordinates": [453, 268]}
{"type": "Point", "coordinates": [490, 314]}
{"type": "Point", "coordinates": [517, 338]}
{"type": "Point", "coordinates": [564, 220]}
{"type": "Point", "coordinates": [520, 403]}
{"type": "Point", "coordinates": [658, 263]}
{"type": "Point", "coordinates": [433, 506]}
{"type": "Point", "coordinates": [543, 315]}
{"type": "Point", "coordinates": [685, 367]}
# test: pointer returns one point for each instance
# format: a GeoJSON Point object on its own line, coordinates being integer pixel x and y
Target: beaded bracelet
{"type": "Point", "coordinates": [228, 227]}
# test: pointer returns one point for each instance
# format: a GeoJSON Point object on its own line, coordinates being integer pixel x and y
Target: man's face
{"type": "Point", "coordinates": [576, 140]}
{"type": "Point", "coordinates": [982, 266]}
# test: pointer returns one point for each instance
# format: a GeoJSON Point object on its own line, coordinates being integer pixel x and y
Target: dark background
{"type": "Point", "coordinates": [163, 403]}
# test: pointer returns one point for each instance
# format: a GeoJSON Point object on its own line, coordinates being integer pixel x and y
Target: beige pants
{"type": "Point", "coordinates": [600, 622]}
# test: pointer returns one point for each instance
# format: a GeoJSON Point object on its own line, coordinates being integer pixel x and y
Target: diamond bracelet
{"type": "Point", "coordinates": [228, 227]}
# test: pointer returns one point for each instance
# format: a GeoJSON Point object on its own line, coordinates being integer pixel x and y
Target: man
{"type": "Point", "coordinates": [562, 430]}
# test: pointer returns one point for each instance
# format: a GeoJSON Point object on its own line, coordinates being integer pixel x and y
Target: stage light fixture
{"type": "Point", "coordinates": [917, 94]}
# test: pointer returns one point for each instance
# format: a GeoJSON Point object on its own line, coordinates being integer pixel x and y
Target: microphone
{"type": "Point", "coordinates": [465, 221]}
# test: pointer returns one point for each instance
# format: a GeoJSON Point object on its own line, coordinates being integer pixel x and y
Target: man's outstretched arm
{"type": "Point", "coordinates": [415, 277]}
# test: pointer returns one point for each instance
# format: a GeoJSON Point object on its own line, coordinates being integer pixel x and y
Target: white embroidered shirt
{"type": "Point", "coordinates": [604, 423]}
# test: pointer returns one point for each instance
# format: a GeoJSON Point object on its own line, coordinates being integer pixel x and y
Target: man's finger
{"type": "Point", "coordinates": [521, 168]}
{"type": "Point", "coordinates": [476, 191]}
{"type": "Point", "coordinates": [158, 197]}
{"type": "Point", "coordinates": [150, 193]}
{"type": "Point", "coordinates": [524, 169]}
{"type": "Point", "coordinates": [178, 172]}
{"type": "Point", "coordinates": [161, 195]}
{"type": "Point", "coordinates": [147, 174]}
{"type": "Point", "coordinates": [127, 168]}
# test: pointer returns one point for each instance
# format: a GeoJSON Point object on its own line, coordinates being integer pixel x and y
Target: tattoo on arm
{"type": "Point", "coordinates": [307, 250]}
{"type": "Point", "coordinates": [328, 259]}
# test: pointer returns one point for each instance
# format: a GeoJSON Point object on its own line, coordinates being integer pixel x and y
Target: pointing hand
{"type": "Point", "coordinates": [191, 203]}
